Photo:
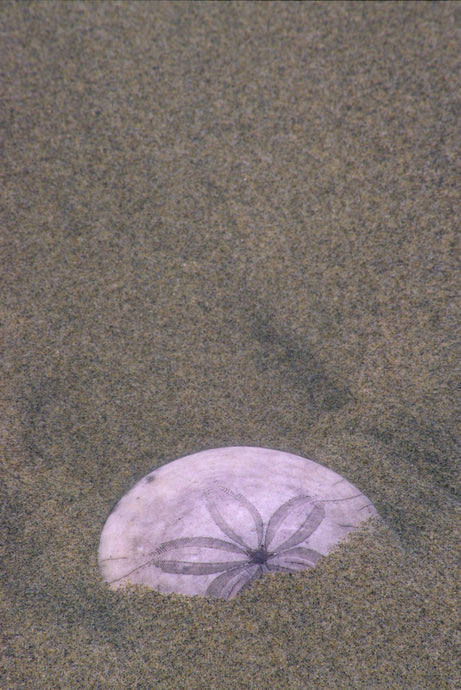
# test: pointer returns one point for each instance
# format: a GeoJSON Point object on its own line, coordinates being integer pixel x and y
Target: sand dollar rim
{"type": "Point", "coordinates": [213, 522]}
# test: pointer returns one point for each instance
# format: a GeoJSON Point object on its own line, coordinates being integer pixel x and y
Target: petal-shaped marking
{"type": "Point", "coordinates": [304, 513]}
{"type": "Point", "coordinates": [195, 565]}
{"type": "Point", "coordinates": [197, 542]}
{"type": "Point", "coordinates": [231, 583]}
{"type": "Point", "coordinates": [298, 558]}
{"type": "Point", "coordinates": [187, 568]}
{"type": "Point", "coordinates": [238, 501]}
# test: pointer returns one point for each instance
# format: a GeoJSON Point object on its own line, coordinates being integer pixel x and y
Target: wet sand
{"type": "Point", "coordinates": [230, 224]}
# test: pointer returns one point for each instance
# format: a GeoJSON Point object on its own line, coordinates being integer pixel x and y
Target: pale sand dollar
{"type": "Point", "coordinates": [213, 522]}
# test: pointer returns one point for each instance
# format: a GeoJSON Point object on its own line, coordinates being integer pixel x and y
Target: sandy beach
{"type": "Point", "coordinates": [230, 224]}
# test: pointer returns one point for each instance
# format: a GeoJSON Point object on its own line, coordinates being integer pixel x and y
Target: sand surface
{"type": "Point", "coordinates": [230, 224]}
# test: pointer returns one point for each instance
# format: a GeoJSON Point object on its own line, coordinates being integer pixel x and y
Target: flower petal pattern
{"type": "Point", "coordinates": [298, 558]}
{"type": "Point", "coordinates": [234, 501]}
{"type": "Point", "coordinates": [309, 521]}
{"type": "Point", "coordinates": [229, 584]}
{"type": "Point", "coordinates": [277, 546]}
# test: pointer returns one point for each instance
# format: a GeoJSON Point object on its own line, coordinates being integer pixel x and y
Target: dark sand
{"type": "Point", "coordinates": [230, 224]}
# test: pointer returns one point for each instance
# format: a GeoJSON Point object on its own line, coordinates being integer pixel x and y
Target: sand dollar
{"type": "Point", "coordinates": [213, 522]}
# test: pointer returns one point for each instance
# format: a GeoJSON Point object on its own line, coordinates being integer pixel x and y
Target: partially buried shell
{"type": "Point", "coordinates": [214, 522]}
